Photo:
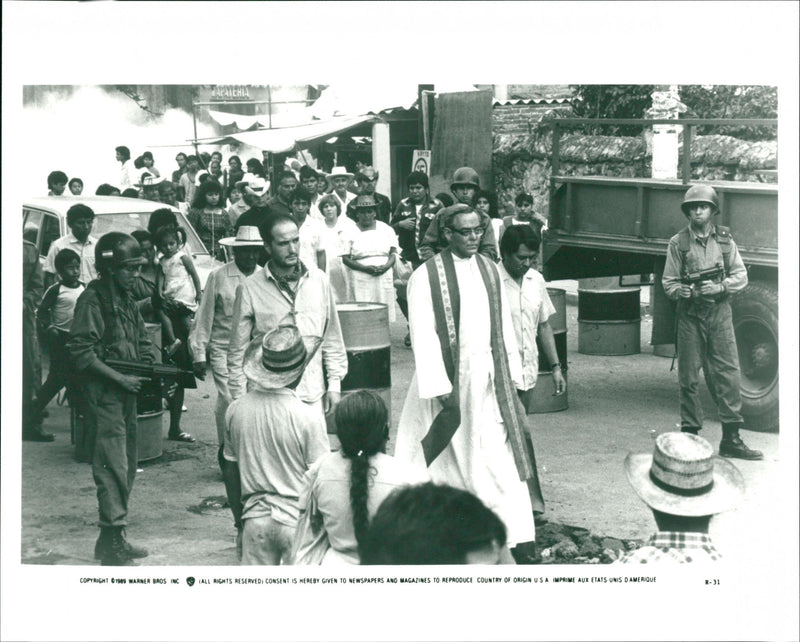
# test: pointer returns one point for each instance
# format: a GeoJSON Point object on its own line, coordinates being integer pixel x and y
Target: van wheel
{"type": "Point", "coordinates": [755, 322]}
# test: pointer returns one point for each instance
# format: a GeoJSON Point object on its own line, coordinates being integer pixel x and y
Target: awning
{"type": "Point", "coordinates": [281, 119]}
{"type": "Point", "coordinates": [287, 139]}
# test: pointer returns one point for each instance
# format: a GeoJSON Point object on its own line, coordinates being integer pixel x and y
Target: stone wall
{"type": "Point", "coordinates": [522, 118]}
{"type": "Point", "coordinates": [521, 163]}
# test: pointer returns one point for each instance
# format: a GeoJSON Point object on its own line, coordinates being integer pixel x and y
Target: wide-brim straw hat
{"type": "Point", "coordinates": [683, 477]}
{"type": "Point", "coordinates": [365, 201]}
{"type": "Point", "coordinates": [278, 358]}
{"type": "Point", "coordinates": [337, 172]}
{"type": "Point", "coordinates": [246, 235]}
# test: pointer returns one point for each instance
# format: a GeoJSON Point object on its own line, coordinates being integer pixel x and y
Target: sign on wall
{"type": "Point", "coordinates": [421, 161]}
{"type": "Point", "coordinates": [230, 92]}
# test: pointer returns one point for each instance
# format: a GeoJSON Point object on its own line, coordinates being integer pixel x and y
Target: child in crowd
{"type": "Point", "coordinates": [525, 214]}
{"type": "Point", "coordinates": [236, 203]}
{"type": "Point", "coordinates": [76, 186]}
{"type": "Point", "coordinates": [178, 288]}
{"type": "Point", "coordinates": [54, 319]}
{"type": "Point", "coordinates": [486, 203]}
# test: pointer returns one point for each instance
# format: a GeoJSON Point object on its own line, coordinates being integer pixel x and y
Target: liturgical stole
{"type": "Point", "coordinates": [446, 309]}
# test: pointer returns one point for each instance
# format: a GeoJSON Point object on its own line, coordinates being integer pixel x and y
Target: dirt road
{"type": "Point", "coordinates": [616, 405]}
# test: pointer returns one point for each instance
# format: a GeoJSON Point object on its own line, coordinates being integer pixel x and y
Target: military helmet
{"type": "Point", "coordinates": [465, 176]}
{"type": "Point", "coordinates": [117, 249]}
{"type": "Point", "coordinates": [700, 194]}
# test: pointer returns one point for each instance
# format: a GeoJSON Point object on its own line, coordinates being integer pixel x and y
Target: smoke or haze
{"type": "Point", "coordinates": [77, 134]}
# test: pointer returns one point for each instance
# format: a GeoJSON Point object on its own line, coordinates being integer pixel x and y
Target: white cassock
{"type": "Point", "coordinates": [479, 456]}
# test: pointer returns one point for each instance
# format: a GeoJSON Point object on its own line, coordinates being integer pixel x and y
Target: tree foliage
{"type": "Point", "coordinates": [612, 101]}
{"type": "Point", "coordinates": [702, 101]}
{"type": "Point", "coordinates": [732, 101]}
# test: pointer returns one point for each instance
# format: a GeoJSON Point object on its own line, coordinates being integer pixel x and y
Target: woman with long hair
{"type": "Point", "coordinates": [209, 217]}
{"type": "Point", "coordinates": [232, 174]}
{"type": "Point", "coordinates": [346, 487]}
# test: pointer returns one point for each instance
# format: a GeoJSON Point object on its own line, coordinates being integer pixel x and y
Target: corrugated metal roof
{"type": "Point", "coordinates": [531, 101]}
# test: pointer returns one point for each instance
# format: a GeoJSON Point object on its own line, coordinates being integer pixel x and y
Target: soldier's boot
{"type": "Point", "coordinates": [102, 542]}
{"type": "Point", "coordinates": [134, 552]}
{"type": "Point", "coordinates": [690, 430]}
{"type": "Point", "coordinates": [113, 550]}
{"type": "Point", "coordinates": [732, 445]}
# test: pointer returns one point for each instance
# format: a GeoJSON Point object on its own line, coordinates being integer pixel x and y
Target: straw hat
{"type": "Point", "coordinates": [337, 172]}
{"type": "Point", "coordinates": [279, 357]}
{"type": "Point", "coordinates": [683, 477]}
{"type": "Point", "coordinates": [246, 235]}
{"type": "Point", "coordinates": [365, 201]}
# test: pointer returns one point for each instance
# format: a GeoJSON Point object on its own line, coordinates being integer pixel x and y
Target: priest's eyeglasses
{"type": "Point", "coordinates": [466, 232]}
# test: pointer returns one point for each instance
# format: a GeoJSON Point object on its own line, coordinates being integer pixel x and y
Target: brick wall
{"type": "Point", "coordinates": [522, 118]}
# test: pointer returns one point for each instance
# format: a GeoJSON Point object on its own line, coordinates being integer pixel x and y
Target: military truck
{"type": "Point", "coordinates": [608, 226]}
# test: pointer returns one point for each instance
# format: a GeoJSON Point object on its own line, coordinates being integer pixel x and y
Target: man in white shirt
{"type": "Point", "coordinates": [128, 174]}
{"type": "Point", "coordinates": [272, 440]}
{"type": "Point", "coordinates": [80, 219]}
{"type": "Point", "coordinates": [212, 322]}
{"type": "Point", "coordinates": [312, 230]}
{"type": "Point", "coordinates": [340, 178]}
{"type": "Point", "coordinates": [531, 307]}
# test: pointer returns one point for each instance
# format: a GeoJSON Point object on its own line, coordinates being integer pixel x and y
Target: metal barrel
{"type": "Point", "coordinates": [150, 409]}
{"type": "Point", "coordinates": [609, 320]}
{"type": "Point", "coordinates": [540, 398]}
{"type": "Point", "coordinates": [365, 329]}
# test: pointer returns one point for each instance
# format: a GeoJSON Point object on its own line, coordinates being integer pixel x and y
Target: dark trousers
{"type": "Point", "coordinates": [110, 422]}
{"type": "Point", "coordinates": [31, 368]}
{"type": "Point", "coordinates": [60, 373]}
{"type": "Point", "coordinates": [706, 340]}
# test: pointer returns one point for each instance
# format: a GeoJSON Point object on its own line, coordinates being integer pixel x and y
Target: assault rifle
{"type": "Point", "coordinates": [154, 371]}
{"type": "Point", "coordinates": [716, 273]}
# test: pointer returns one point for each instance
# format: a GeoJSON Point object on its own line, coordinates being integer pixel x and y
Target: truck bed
{"type": "Point", "coordinates": [631, 219]}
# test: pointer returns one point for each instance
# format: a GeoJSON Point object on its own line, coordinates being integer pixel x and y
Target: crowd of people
{"type": "Point", "coordinates": [462, 486]}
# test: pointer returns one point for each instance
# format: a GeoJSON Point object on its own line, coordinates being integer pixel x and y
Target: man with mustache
{"type": "Point", "coordinates": [287, 291]}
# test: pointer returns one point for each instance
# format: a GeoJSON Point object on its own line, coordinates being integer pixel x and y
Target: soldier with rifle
{"type": "Point", "coordinates": [702, 271]}
{"type": "Point", "coordinates": [107, 325]}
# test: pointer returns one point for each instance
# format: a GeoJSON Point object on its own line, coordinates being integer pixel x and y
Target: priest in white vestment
{"type": "Point", "coordinates": [456, 303]}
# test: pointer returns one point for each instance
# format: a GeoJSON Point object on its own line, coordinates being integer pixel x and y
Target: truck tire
{"type": "Point", "coordinates": [755, 322]}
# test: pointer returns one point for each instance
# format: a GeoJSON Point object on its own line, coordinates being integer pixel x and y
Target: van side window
{"type": "Point", "coordinates": [50, 232]}
{"type": "Point", "coordinates": [31, 222]}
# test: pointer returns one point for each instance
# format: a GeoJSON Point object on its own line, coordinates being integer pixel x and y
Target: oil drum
{"type": "Point", "coordinates": [150, 409]}
{"type": "Point", "coordinates": [609, 320]}
{"type": "Point", "coordinates": [365, 330]}
{"type": "Point", "coordinates": [540, 398]}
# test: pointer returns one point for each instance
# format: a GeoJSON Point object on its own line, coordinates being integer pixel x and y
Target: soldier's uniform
{"type": "Point", "coordinates": [705, 336]}
{"type": "Point", "coordinates": [107, 324]}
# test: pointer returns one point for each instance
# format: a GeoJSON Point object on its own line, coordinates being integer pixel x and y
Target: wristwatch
{"type": "Point", "coordinates": [557, 364]}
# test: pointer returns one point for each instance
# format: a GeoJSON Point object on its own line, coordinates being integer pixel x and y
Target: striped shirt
{"type": "Point", "coordinates": [675, 547]}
